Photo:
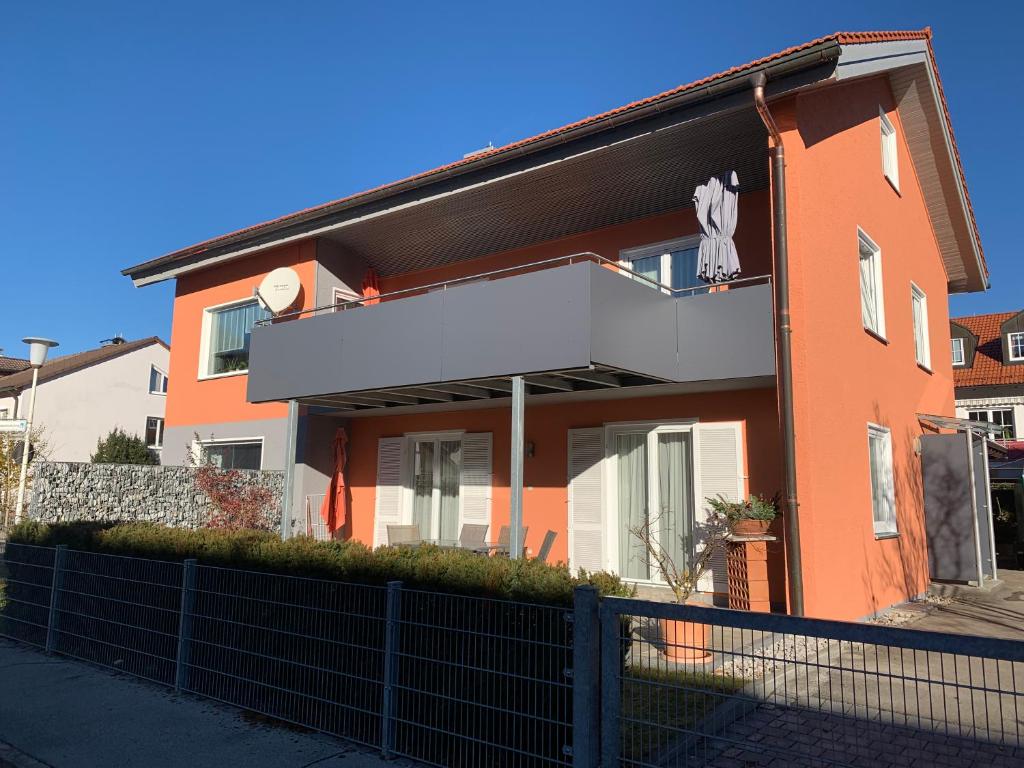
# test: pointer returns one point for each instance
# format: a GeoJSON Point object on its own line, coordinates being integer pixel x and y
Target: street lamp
{"type": "Point", "coordinates": [37, 349]}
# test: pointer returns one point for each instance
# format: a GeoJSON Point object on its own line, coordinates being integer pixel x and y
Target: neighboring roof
{"type": "Point", "coordinates": [987, 368]}
{"type": "Point", "coordinates": [12, 365]}
{"type": "Point", "coordinates": [524, 146]}
{"type": "Point", "coordinates": [60, 366]}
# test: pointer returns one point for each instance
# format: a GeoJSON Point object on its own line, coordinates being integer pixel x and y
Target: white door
{"type": "Point", "coordinates": [436, 471]}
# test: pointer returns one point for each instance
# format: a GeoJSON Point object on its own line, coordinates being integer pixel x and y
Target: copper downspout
{"type": "Point", "coordinates": [784, 332]}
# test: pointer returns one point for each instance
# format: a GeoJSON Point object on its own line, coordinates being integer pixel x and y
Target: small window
{"type": "Point", "coordinates": [343, 296]}
{"type": "Point", "coordinates": [883, 495]}
{"type": "Point", "coordinates": [154, 432]}
{"type": "Point", "coordinates": [1001, 417]}
{"type": "Point", "coordinates": [227, 337]}
{"type": "Point", "coordinates": [890, 157]}
{"type": "Point", "coordinates": [919, 303]}
{"type": "Point", "coordinates": [235, 454]}
{"type": "Point", "coordinates": [872, 307]}
{"type": "Point", "coordinates": [1016, 346]}
{"type": "Point", "coordinates": [157, 381]}
{"type": "Point", "coordinates": [958, 352]}
{"type": "Point", "coordinates": [672, 263]}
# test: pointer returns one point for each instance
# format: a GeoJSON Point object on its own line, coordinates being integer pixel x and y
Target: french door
{"type": "Point", "coordinates": [652, 481]}
{"type": "Point", "coordinates": [437, 463]}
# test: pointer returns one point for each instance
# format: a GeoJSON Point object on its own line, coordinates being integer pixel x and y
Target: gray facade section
{"type": "Point", "coordinates": [1014, 325]}
{"type": "Point", "coordinates": [556, 319]}
{"type": "Point", "coordinates": [178, 440]}
{"type": "Point", "coordinates": [957, 331]}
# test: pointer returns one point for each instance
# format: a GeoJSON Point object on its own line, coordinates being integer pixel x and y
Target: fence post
{"type": "Point", "coordinates": [188, 605]}
{"type": "Point", "coordinates": [387, 720]}
{"type": "Point", "coordinates": [586, 670]}
{"type": "Point", "coordinates": [56, 585]}
{"type": "Point", "coordinates": [611, 685]}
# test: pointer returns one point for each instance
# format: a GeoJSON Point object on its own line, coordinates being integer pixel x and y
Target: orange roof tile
{"type": "Point", "coordinates": [988, 368]}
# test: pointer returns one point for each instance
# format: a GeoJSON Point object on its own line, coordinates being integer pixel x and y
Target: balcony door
{"type": "Point", "coordinates": [437, 464]}
{"type": "Point", "coordinates": [653, 480]}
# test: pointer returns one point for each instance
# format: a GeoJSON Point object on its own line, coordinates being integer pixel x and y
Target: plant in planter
{"type": "Point", "coordinates": [683, 640]}
{"type": "Point", "coordinates": [750, 517]}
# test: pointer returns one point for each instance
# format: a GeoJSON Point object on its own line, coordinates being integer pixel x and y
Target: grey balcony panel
{"type": "Point", "coordinates": [632, 325]}
{"type": "Point", "coordinates": [538, 321]}
{"type": "Point", "coordinates": [726, 335]}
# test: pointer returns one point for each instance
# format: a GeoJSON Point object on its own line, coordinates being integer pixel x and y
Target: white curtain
{"type": "Point", "coordinates": [423, 488]}
{"type": "Point", "coordinates": [675, 497]}
{"type": "Point", "coordinates": [631, 454]}
{"type": "Point", "coordinates": [867, 291]}
{"type": "Point", "coordinates": [450, 461]}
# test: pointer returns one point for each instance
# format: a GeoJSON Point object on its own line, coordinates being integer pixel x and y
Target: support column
{"type": "Point", "coordinates": [290, 439]}
{"type": "Point", "coordinates": [516, 474]}
{"type": "Point", "coordinates": [747, 567]}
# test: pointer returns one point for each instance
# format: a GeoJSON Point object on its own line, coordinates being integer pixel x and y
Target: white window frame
{"type": "Point", "coordinates": [958, 344]}
{"type": "Point", "coordinates": [341, 295]}
{"type": "Point", "coordinates": [159, 444]}
{"type": "Point", "coordinates": [890, 150]}
{"type": "Point", "coordinates": [1009, 345]}
{"type": "Point", "coordinates": [883, 528]}
{"type": "Point", "coordinates": [989, 410]}
{"type": "Point", "coordinates": [876, 266]}
{"type": "Point", "coordinates": [409, 476]}
{"type": "Point", "coordinates": [164, 378]}
{"type": "Point", "coordinates": [922, 342]}
{"type": "Point", "coordinates": [198, 445]}
{"type": "Point", "coordinates": [609, 508]}
{"type": "Point", "coordinates": [204, 339]}
{"type": "Point", "coordinates": [664, 249]}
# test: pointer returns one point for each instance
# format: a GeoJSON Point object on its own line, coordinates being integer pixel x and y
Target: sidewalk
{"type": "Point", "coordinates": [66, 714]}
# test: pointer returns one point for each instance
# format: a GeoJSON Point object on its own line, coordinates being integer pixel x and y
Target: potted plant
{"type": "Point", "coordinates": [683, 640]}
{"type": "Point", "coordinates": [750, 517]}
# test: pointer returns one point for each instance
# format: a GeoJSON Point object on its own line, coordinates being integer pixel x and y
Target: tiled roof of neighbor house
{"type": "Point", "coordinates": [12, 365]}
{"type": "Point", "coordinates": [842, 38]}
{"type": "Point", "coordinates": [988, 365]}
{"type": "Point", "coordinates": [59, 366]}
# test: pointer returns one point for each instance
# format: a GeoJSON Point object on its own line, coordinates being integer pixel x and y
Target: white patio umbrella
{"type": "Point", "coordinates": [717, 213]}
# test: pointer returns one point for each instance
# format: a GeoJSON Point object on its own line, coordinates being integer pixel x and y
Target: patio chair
{"type": "Point", "coordinates": [403, 534]}
{"type": "Point", "coordinates": [545, 546]}
{"type": "Point", "coordinates": [503, 544]}
{"type": "Point", "coordinates": [473, 536]}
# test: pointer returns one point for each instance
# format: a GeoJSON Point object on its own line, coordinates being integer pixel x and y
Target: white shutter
{"type": "Point", "coordinates": [475, 481]}
{"type": "Point", "coordinates": [388, 506]}
{"type": "Point", "coordinates": [586, 495]}
{"type": "Point", "coordinates": [719, 461]}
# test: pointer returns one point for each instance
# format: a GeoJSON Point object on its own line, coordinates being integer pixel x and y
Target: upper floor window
{"type": "Point", "coordinates": [919, 303]}
{"type": "Point", "coordinates": [340, 296]}
{"type": "Point", "coordinates": [872, 309]}
{"type": "Point", "coordinates": [890, 158]}
{"type": "Point", "coordinates": [958, 352]}
{"type": "Point", "coordinates": [672, 263]}
{"type": "Point", "coordinates": [1001, 417]}
{"type": "Point", "coordinates": [883, 494]}
{"type": "Point", "coordinates": [1016, 345]}
{"type": "Point", "coordinates": [157, 381]}
{"type": "Point", "coordinates": [226, 332]}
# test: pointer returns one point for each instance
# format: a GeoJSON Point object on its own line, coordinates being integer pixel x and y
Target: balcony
{"type": "Point", "coordinates": [569, 324]}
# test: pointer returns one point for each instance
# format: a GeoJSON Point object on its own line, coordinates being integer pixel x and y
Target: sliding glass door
{"type": "Point", "coordinates": [653, 480]}
{"type": "Point", "coordinates": [435, 487]}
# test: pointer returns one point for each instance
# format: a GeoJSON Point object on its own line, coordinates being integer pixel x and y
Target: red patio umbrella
{"type": "Point", "coordinates": [334, 510]}
{"type": "Point", "coordinates": [371, 286]}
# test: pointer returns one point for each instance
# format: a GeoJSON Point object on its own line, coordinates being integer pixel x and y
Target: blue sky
{"type": "Point", "coordinates": [132, 129]}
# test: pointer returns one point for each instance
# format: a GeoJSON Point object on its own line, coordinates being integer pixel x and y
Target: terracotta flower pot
{"type": "Point", "coordinates": [685, 640]}
{"type": "Point", "coordinates": [747, 527]}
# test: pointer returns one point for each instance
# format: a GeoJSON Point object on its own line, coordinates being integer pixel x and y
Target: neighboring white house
{"type": "Point", "coordinates": [83, 396]}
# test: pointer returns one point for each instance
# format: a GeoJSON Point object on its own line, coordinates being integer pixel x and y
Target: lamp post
{"type": "Point", "coordinates": [36, 357]}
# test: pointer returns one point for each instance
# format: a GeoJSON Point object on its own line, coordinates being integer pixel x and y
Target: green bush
{"type": "Point", "coordinates": [121, 448]}
{"type": "Point", "coordinates": [425, 567]}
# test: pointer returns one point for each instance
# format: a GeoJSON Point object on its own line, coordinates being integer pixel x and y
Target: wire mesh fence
{"type": "Point", "coordinates": [695, 686]}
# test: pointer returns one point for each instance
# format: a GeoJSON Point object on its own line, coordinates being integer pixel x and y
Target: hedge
{"type": "Point", "coordinates": [425, 567]}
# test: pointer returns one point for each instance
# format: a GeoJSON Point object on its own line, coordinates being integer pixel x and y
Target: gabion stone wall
{"type": "Point", "coordinates": [65, 491]}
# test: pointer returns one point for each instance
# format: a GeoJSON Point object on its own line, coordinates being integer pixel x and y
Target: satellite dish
{"type": "Point", "coordinates": [279, 290]}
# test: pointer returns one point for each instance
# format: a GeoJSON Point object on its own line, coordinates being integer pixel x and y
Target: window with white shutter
{"type": "Point", "coordinates": [475, 481]}
{"type": "Point", "coordinates": [390, 471]}
{"type": "Point", "coordinates": [586, 494]}
{"type": "Point", "coordinates": [719, 459]}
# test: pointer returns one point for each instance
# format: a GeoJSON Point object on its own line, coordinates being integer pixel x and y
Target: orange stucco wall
{"type": "Point", "coordinates": [191, 401]}
{"type": "Point", "coordinates": [843, 376]}
{"type": "Point", "coordinates": [545, 497]}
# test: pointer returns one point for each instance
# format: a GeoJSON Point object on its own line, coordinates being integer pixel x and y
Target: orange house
{"type": "Point", "coordinates": [565, 342]}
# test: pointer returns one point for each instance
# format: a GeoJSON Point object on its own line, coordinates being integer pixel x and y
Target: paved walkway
{"type": "Point", "coordinates": [65, 714]}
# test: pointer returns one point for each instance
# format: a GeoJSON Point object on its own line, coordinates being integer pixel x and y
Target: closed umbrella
{"type": "Point", "coordinates": [371, 286]}
{"type": "Point", "coordinates": [716, 204]}
{"type": "Point", "coordinates": [334, 510]}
